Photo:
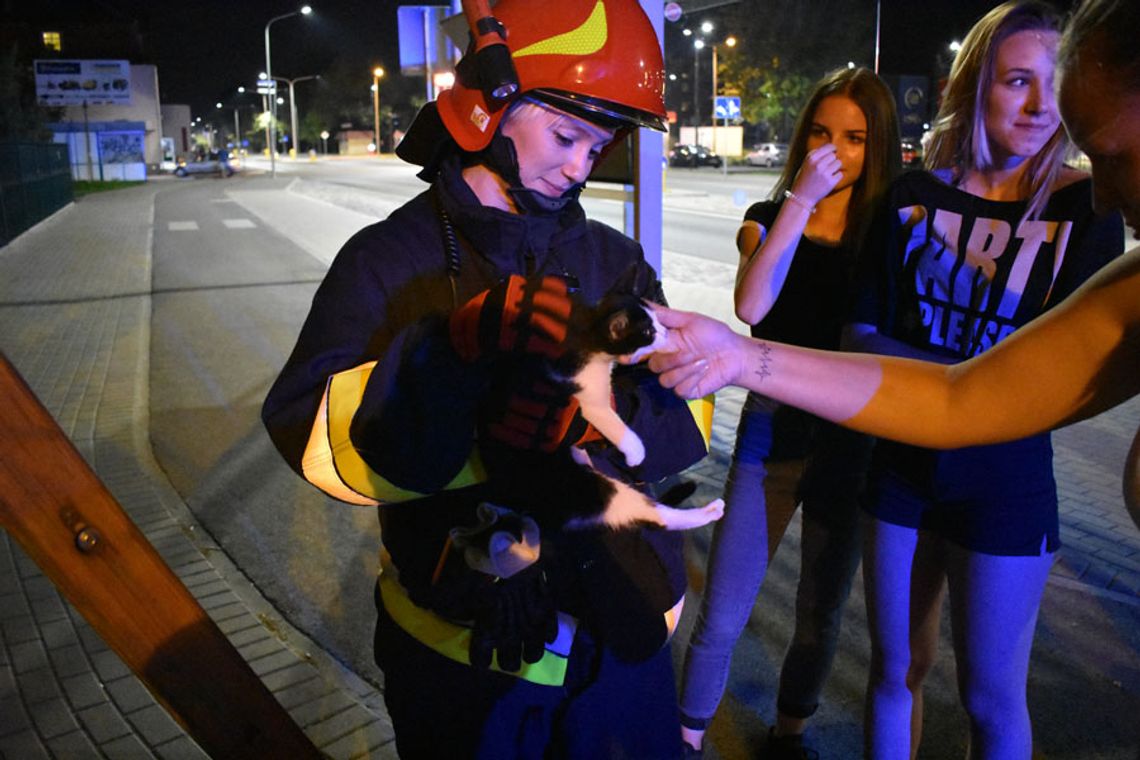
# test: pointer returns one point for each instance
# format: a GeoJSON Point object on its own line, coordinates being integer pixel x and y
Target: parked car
{"type": "Point", "coordinates": [768, 154]}
{"type": "Point", "coordinates": [911, 153]}
{"type": "Point", "coordinates": [212, 164]}
{"type": "Point", "coordinates": [693, 155]}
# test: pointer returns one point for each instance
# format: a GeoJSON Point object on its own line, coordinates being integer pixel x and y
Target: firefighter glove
{"type": "Point", "coordinates": [514, 619]}
{"type": "Point", "coordinates": [527, 314]}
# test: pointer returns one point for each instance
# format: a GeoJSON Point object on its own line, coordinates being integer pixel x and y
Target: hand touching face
{"type": "Point", "coordinates": [836, 149]}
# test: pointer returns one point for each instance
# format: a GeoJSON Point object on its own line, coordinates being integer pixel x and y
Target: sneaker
{"type": "Point", "coordinates": [788, 748]}
{"type": "Point", "coordinates": [689, 752]}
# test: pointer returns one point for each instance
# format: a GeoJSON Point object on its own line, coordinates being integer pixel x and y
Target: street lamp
{"type": "Point", "coordinates": [376, 74]}
{"type": "Point", "coordinates": [304, 11]}
{"type": "Point", "coordinates": [698, 45]}
{"type": "Point", "coordinates": [325, 141]}
{"type": "Point", "coordinates": [730, 41]}
{"type": "Point", "coordinates": [293, 107]}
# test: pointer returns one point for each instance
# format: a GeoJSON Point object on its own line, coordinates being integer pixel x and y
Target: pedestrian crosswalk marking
{"type": "Point", "coordinates": [239, 224]}
{"type": "Point", "coordinates": [183, 226]}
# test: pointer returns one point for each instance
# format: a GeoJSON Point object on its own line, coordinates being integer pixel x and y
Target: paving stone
{"type": "Point", "coordinates": [57, 634]}
{"type": "Point", "coordinates": [73, 746]}
{"type": "Point", "coordinates": [36, 585]}
{"type": "Point", "coordinates": [342, 724]}
{"type": "Point", "coordinates": [128, 747]}
{"type": "Point", "coordinates": [109, 666]}
{"type": "Point", "coordinates": [154, 725]}
{"type": "Point", "coordinates": [274, 661]}
{"type": "Point", "coordinates": [48, 609]}
{"type": "Point", "coordinates": [7, 682]}
{"type": "Point", "coordinates": [92, 642]}
{"type": "Point", "coordinates": [130, 694]}
{"type": "Point", "coordinates": [218, 600]}
{"type": "Point", "coordinates": [12, 602]}
{"type": "Point", "coordinates": [317, 710]}
{"type": "Point", "coordinates": [53, 718]}
{"type": "Point", "coordinates": [250, 636]}
{"type": "Point", "coordinates": [103, 722]}
{"type": "Point", "coordinates": [38, 686]}
{"type": "Point", "coordinates": [191, 568]}
{"type": "Point", "coordinates": [279, 679]}
{"type": "Point", "coordinates": [181, 748]}
{"type": "Point", "coordinates": [28, 656]}
{"type": "Point", "coordinates": [260, 648]}
{"type": "Point", "coordinates": [84, 690]}
{"type": "Point", "coordinates": [69, 661]}
{"type": "Point", "coordinates": [241, 622]}
{"type": "Point", "coordinates": [314, 689]}
{"type": "Point", "coordinates": [227, 611]}
{"type": "Point", "coordinates": [25, 745]}
{"type": "Point", "coordinates": [20, 629]}
{"type": "Point", "coordinates": [13, 717]}
{"type": "Point", "coordinates": [366, 741]}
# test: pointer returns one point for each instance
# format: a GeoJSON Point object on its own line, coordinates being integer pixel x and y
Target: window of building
{"type": "Point", "coordinates": [52, 41]}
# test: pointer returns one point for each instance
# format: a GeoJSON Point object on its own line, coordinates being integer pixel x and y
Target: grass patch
{"type": "Point", "coordinates": [86, 187]}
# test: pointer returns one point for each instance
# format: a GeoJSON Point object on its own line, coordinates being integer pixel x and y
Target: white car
{"type": "Point", "coordinates": [768, 154]}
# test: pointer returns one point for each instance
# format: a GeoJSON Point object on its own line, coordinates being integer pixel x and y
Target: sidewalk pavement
{"type": "Point", "coordinates": [74, 320]}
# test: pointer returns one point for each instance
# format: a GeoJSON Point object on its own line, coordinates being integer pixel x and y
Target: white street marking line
{"type": "Point", "coordinates": [182, 226]}
{"type": "Point", "coordinates": [239, 224]}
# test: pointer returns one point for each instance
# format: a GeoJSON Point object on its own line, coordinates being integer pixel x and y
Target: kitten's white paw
{"type": "Point", "coordinates": [580, 456]}
{"type": "Point", "coordinates": [714, 510]}
{"type": "Point", "coordinates": [633, 449]}
{"type": "Point", "coordinates": [671, 518]}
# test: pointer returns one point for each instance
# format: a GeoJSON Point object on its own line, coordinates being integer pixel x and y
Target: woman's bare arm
{"type": "Point", "coordinates": [1075, 361]}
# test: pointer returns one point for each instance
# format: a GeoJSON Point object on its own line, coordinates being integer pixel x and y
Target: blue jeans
{"type": "Point", "coordinates": [761, 494]}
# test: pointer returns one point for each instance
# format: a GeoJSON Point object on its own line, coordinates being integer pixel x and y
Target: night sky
{"type": "Point", "coordinates": [205, 49]}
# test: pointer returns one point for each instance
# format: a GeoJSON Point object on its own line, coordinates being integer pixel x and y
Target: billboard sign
{"type": "Point", "coordinates": [73, 83]}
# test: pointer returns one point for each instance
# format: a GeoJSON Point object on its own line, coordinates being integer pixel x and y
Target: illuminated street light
{"type": "Point", "coordinates": [955, 46]}
{"type": "Point", "coordinates": [376, 74]}
{"type": "Point", "coordinates": [304, 11]}
{"type": "Point", "coordinates": [294, 146]}
{"type": "Point", "coordinates": [442, 80]}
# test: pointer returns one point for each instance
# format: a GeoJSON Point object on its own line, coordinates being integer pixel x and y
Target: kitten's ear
{"type": "Point", "coordinates": [618, 326]}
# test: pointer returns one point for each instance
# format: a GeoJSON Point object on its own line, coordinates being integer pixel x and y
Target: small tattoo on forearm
{"type": "Point", "coordinates": [763, 365]}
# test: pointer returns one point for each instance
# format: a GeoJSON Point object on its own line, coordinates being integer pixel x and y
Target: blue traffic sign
{"type": "Point", "coordinates": [727, 107]}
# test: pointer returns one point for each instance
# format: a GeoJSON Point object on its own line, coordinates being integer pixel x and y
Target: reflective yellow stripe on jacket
{"type": "Point", "coordinates": [332, 464]}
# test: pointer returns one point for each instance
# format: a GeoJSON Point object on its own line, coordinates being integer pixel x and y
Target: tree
{"type": "Point", "coordinates": [21, 117]}
{"type": "Point", "coordinates": [782, 51]}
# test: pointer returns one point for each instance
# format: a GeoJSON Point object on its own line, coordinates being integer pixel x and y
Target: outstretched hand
{"type": "Point", "coordinates": [701, 355]}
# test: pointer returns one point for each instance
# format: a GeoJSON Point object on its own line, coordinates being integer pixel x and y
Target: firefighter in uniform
{"type": "Point", "coordinates": [557, 644]}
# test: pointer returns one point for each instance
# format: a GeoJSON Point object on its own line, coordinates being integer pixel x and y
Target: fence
{"type": "Point", "coordinates": [35, 181]}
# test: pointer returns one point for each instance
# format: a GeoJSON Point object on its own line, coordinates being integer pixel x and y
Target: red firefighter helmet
{"type": "Point", "coordinates": [598, 59]}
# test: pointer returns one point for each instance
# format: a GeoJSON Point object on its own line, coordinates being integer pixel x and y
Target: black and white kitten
{"type": "Point", "coordinates": [566, 490]}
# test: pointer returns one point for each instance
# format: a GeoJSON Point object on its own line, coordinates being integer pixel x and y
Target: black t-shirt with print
{"type": "Point", "coordinates": [954, 274]}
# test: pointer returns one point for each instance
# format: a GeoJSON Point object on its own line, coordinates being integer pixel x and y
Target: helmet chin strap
{"type": "Point", "coordinates": [501, 158]}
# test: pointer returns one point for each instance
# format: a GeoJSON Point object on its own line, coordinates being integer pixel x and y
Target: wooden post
{"type": "Point", "coordinates": [62, 515]}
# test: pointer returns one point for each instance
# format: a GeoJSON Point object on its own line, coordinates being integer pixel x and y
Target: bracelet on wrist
{"type": "Point", "coordinates": [799, 201]}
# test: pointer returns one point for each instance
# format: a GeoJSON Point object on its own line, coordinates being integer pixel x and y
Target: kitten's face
{"type": "Point", "coordinates": [634, 330]}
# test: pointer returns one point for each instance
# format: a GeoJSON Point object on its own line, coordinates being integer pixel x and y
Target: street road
{"type": "Point", "coordinates": [702, 207]}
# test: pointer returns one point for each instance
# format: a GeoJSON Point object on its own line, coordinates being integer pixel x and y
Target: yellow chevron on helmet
{"type": "Point", "coordinates": [587, 39]}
